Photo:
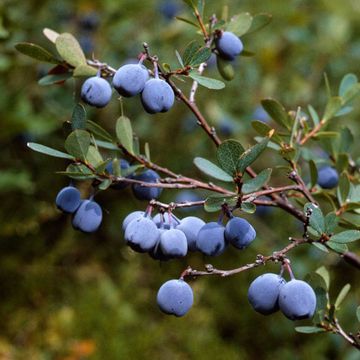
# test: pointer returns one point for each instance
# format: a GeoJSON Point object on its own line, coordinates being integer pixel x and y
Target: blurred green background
{"type": "Point", "coordinates": [67, 295]}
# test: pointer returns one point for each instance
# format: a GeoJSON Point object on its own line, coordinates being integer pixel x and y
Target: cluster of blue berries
{"type": "Point", "coordinates": [130, 80]}
{"type": "Point", "coordinates": [267, 294]}
{"type": "Point", "coordinates": [86, 214]}
{"type": "Point", "coordinates": [270, 292]}
{"type": "Point", "coordinates": [166, 237]}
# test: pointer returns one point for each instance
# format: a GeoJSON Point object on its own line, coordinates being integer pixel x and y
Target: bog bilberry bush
{"type": "Point", "coordinates": [290, 131]}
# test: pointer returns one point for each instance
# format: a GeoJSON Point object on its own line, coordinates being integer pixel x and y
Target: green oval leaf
{"type": "Point", "coordinates": [78, 118]}
{"type": "Point", "coordinates": [340, 298]}
{"type": "Point", "coordinates": [258, 182]}
{"type": "Point", "coordinates": [49, 151]}
{"type": "Point", "coordinates": [228, 154]}
{"type": "Point", "coordinates": [77, 144]}
{"type": "Point", "coordinates": [240, 24]}
{"type": "Point", "coordinates": [277, 112]}
{"type": "Point", "coordinates": [100, 132]}
{"type": "Point", "coordinates": [214, 203]}
{"type": "Point", "coordinates": [124, 133]}
{"type": "Point", "coordinates": [209, 168]}
{"type": "Point", "coordinates": [346, 236]}
{"type": "Point", "coordinates": [207, 82]}
{"type": "Point", "coordinates": [309, 329]}
{"type": "Point", "coordinates": [70, 50]}
{"type": "Point", "coordinates": [36, 52]}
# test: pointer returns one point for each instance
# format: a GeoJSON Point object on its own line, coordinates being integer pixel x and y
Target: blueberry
{"type": "Point", "coordinates": [166, 219]}
{"type": "Point", "coordinates": [169, 8]}
{"type": "Point", "coordinates": [89, 21]}
{"type": "Point", "coordinates": [87, 217]}
{"type": "Point", "coordinates": [157, 96]}
{"type": "Point", "coordinates": [129, 80]}
{"type": "Point", "coordinates": [146, 193]}
{"type": "Point", "coordinates": [173, 243]}
{"type": "Point", "coordinates": [124, 165]}
{"type": "Point", "coordinates": [141, 234]}
{"type": "Point", "coordinates": [239, 232]}
{"type": "Point", "coordinates": [68, 199]}
{"type": "Point", "coordinates": [297, 300]}
{"type": "Point", "coordinates": [210, 240]}
{"type": "Point", "coordinates": [328, 177]}
{"type": "Point", "coordinates": [264, 291]}
{"type": "Point", "coordinates": [131, 217]}
{"type": "Point", "coordinates": [175, 297]}
{"type": "Point", "coordinates": [191, 226]}
{"type": "Point", "coordinates": [228, 45]}
{"type": "Point", "coordinates": [96, 91]}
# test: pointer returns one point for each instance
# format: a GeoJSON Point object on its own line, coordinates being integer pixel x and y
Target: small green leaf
{"type": "Point", "coordinates": [309, 329]}
{"type": "Point", "coordinates": [251, 154]}
{"type": "Point", "coordinates": [240, 24]}
{"type": "Point", "coordinates": [263, 129]}
{"type": "Point", "coordinates": [346, 236]}
{"type": "Point", "coordinates": [189, 52]}
{"type": "Point", "coordinates": [78, 118]}
{"type": "Point", "coordinates": [98, 131]}
{"type": "Point", "coordinates": [346, 140]}
{"type": "Point", "coordinates": [215, 202]}
{"type": "Point", "coordinates": [78, 172]}
{"type": "Point", "coordinates": [320, 246]}
{"type": "Point", "coordinates": [36, 52]}
{"type": "Point", "coordinates": [54, 78]}
{"type": "Point", "coordinates": [331, 221]}
{"type": "Point", "coordinates": [131, 169]}
{"type": "Point", "coordinates": [147, 151]}
{"type": "Point", "coordinates": [49, 151]}
{"type": "Point", "coordinates": [70, 50]}
{"type": "Point", "coordinates": [248, 207]}
{"type": "Point", "coordinates": [340, 298]}
{"type": "Point", "coordinates": [225, 68]}
{"type": "Point", "coordinates": [105, 184]}
{"type": "Point", "coordinates": [358, 313]}
{"type": "Point", "coordinates": [107, 145]}
{"type": "Point", "coordinates": [207, 82]}
{"type": "Point", "coordinates": [317, 282]}
{"type": "Point", "coordinates": [351, 93]}
{"type": "Point", "coordinates": [346, 83]}
{"type": "Point", "coordinates": [259, 22]}
{"type": "Point", "coordinates": [178, 56]}
{"type": "Point", "coordinates": [84, 70]}
{"type": "Point", "coordinates": [228, 154]}
{"type": "Point", "coordinates": [339, 248]}
{"type": "Point", "coordinates": [93, 156]}
{"type": "Point", "coordinates": [51, 34]}
{"type": "Point", "coordinates": [258, 182]}
{"type": "Point", "coordinates": [314, 115]}
{"type": "Point", "coordinates": [124, 133]}
{"type": "Point", "coordinates": [332, 107]}
{"type": "Point", "coordinates": [343, 189]}
{"type": "Point", "coordinates": [316, 220]}
{"type": "Point", "coordinates": [77, 144]}
{"type": "Point", "coordinates": [322, 271]}
{"type": "Point", "coordinates": [208, 168]}
{"type": "Point", "coordinates": [277, 112]}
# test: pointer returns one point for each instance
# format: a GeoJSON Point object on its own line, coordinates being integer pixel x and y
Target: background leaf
{"type": "Point", "coordinates": [124, 133]}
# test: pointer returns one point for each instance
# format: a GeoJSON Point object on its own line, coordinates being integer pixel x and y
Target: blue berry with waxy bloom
{"type": "Point", "coordinates": [68, 199]}
{"type": "Point", "coordinates": [263, 293]}
{"type": "Point", "coordinates": [328, 177]}
{"type": "Point", "coordinates": [96, 91]}
{"type": "Point", "coordinates": [131, 217]}
{"type": "Point", "coordinates": [129, 80]}
{"type": "Point", "coordinates": [173, 243]}
{"type": "Point", "coordinates": [141, 234]}
{"type": "Point", "coordinates": [143, 192]}
{"type": "Point", "coordinates": [228, 45]}
{"type": "Point", "coordinates": [87, 217]}
{"type": "Point", "coordinates": [175, 297]}
{"type": "Point", "coordinates": [297, 300]}
{"type": "Point", "coordinates": [124, 165]}
{"type": "Point", "coordinates": [211, 240]}
{"type": "Point", "coordinates": [157, 96]}
{"type": "Point", "coordinates": [191, 226]}
{"type": "Point", "coordinates": [239, 232]}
